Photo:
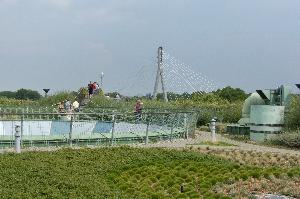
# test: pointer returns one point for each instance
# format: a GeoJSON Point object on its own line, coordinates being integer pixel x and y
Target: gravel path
{"type": "Point", "coordinates": [205, 136]}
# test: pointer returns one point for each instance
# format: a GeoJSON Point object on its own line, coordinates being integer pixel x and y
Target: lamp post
{"type": "Point", "coordinates": [46, 90]}
{"type": "Point", "coordinates": [101, 80]}
{"type": "Point", "coordinates": [213, 130]}
{"type": "Point", "coordinates": [17, 139]}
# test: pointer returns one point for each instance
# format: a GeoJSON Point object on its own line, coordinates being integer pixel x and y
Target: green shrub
{"type": "Point", "coordinates": [292, 117]}
{"type": "Point", "coordinates": [56, 98]}
{"type": "Point", "coordinates": [288, 139]}
{"type": "Point", "coordinates": [14, 102]}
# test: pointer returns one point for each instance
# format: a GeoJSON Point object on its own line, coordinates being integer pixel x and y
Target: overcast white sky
{"type": "Point", "coordinates": [63, 44]}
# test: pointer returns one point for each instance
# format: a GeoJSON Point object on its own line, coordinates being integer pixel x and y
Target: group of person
{"type": "Point", "coordinates": [68, 107]}
{"type": "Point", "coordinates": [93, 88]}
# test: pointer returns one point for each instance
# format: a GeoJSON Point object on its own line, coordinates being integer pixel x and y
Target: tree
{"type": "Point", "coordinates": [27, 94]}
{"type": "Point", "coordinates": [231, 94]}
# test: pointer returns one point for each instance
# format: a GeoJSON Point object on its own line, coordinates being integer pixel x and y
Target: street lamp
{"type": "Point", "coordinates": [101, 80]}
{"type": "Point", "coordinates": [46, 90]}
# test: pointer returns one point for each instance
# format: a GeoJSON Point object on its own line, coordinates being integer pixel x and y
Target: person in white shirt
{"type": "Point", "coordinates": [75, 106]}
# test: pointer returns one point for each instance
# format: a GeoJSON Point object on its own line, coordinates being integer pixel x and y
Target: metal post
{"type": "Point", "coordinates": [17, 139]}
{"type": "Point", "coordinates": [113, 130]}
{"type": "Point", "coordinates": [147, 132]}
{"type": "Point", "coordinates": [213, 130]}
{"type": "Point", "coordinates": [70, 133]}
{"type": "Point", "coordinates": [185, 126]}
{"type": "Point", "coordinates": [47, 111]}
{"type": "Point", "coordinates": [22, 128]}
{"type": "Point", "coordinates": [172, 127]}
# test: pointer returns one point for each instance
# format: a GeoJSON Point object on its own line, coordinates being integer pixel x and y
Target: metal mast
{"type": "Point", "coordinates": [160, 76]}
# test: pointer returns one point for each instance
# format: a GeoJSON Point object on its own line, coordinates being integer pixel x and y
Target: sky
{"type": "Point", "coordinates": [64, 44]}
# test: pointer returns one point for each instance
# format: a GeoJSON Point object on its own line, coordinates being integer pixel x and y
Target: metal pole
{"type": "Point", "coordinates": [213, 130]}
{"type": "Point", "coordinates": [17, 139]}
{"type": "Point", "coordinates": [147, 132]}
{"type": "Point", "coordinates": [185, 126]}
{"type": "Point", "coordinates": [172, 128]}
{"type": "Point", "coordinates": [70, 133]}
{"type": "Point", "coordinates": [113, 130]}
{"type": "Point", "coordinates": [157, 73]}
{"type": "Point", "coordinates": [22, 128]}
{"type": "Point", "coordinates": [101, 80]}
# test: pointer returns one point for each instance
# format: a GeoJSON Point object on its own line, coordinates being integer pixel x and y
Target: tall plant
{"type": "Point", "coordinates": [292, 117]}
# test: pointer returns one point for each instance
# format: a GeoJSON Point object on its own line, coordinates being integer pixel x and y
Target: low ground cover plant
{"type": "Point", "coordinates": [286, 139]}
{"type": "Point", "coordinates": [249, 188]}
{"type": "Point", "coordinates": [260, 159]}
{"type": "Point", "coordinates": [122, 172]}
{"type": "Point", "coordinates": [219, 143]}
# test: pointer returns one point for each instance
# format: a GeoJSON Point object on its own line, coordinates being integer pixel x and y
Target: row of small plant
{"type": "Point", "coordinates": [261, 159]}
{"type": "Point", "coordinates": [250, 188]}
{"type": "Point", "coordinates": [121, 172]}
{"type": "Point", "coordinates": [285, 183]}
{"type": "Point", "coordinates": [289, 139]}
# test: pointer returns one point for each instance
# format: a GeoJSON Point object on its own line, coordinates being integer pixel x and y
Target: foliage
{"type": "Point", "coordinates": [225, 112]}
{"type": "Point", "coordinates": [277, 185]}
{"type": "Point", "coordinates": [254, 158]}
{"type": "Point", "coordinates": [82, 94]}
{"type": "Point", "coordinates": [21, 94]}
{"type": "Point", "coordinates": [8, 94]}
{"type": "Point", "coordinates": [27, 94]}
{"type": "Point", "coordinates": [119, 173]}
{"type": "Point", "coordinates": [287, 139]}
{"type": "Point", "coordinates": [231, 94]}
{"type": "Point", "coordinates": [219, 143]}
{"type": "Point", "coordinates": [14, 102]}
{"type": "Point", "coordinates": [208, 98]}
{"type": "Point", "coordinates": [174, 96]}
{"type": "Point", "coordinates": [56, 98]}
{"type": "Point", "coordinates": [208, 105]}
{"type": "Point", "coordinates": [292, 117]}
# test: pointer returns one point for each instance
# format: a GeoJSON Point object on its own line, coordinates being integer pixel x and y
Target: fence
{"type": "Point", "coordinates": [106, 127]}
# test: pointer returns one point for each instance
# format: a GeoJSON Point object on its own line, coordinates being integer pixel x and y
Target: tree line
{"type": "Point", "coordinates": [228, 93]}
{"type": "Point", "coordinates": [21, 94]}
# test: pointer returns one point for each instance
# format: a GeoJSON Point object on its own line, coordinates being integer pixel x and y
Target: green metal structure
{"type": "Point", "coordinates": [262, 114]}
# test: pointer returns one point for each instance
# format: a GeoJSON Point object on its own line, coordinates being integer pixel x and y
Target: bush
{"type": "Point", "coordinates": [14, 102]}
{"type": "Point", "coordinates": [291, 139]}
{"type": "Point", "coordinates": [56, 98]}
{"type": "Point", "coordinates": [292, 117]}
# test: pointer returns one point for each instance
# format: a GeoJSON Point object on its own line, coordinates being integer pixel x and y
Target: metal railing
{"type": "Point", "coordinates": [109, 127]}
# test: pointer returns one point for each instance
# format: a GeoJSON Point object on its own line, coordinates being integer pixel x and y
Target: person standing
{"type": "Point", "coordinates": [91, 90]}
{"type": "Point", "coordinates": [138, 110]}
{"type": "Point", "coordinates": [75, 106]}
{"type": "Point", "coordinates": [67, 106]}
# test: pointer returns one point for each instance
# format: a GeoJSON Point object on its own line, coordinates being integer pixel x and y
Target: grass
{"type": "Point", "coordinates": [259, 159]}
{"type": "Point", "coordinates": [122, 172]}
{"type": "Point", "coordinates": [219, 143]}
